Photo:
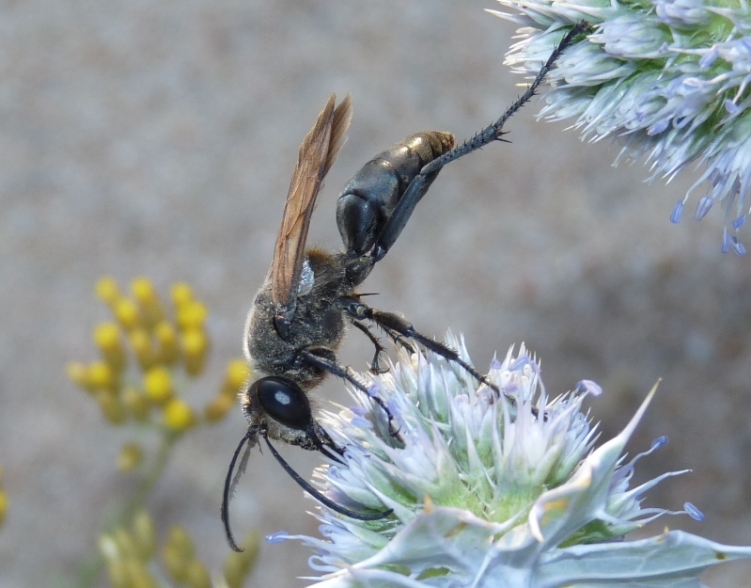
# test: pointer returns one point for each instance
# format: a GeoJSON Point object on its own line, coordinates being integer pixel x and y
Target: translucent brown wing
{"type": "Point", "coordinates": [317, 154]}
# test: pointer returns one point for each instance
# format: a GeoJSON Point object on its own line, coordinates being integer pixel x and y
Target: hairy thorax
{"type": "Point", "coordinates": [318, 325]}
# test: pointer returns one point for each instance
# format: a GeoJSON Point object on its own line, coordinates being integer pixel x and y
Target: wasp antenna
{"type": "Point", "coordinates": [320, 497]}
{"type": "Point", "coordinates": [229, 485]}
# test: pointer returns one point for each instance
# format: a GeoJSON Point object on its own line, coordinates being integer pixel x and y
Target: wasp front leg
{"type": "Point", "coordinates": [333, 368]}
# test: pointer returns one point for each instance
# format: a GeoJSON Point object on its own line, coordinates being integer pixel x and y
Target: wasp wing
{"type": "Point", "coordinates": [317, 154]}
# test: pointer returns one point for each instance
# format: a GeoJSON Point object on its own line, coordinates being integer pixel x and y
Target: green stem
{"type": "Point", "coordinates": [93, 566]}
{"type": "Point", "coordinates": [152, 477]}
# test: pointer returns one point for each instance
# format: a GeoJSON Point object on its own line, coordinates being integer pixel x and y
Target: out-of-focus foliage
{"type": "Point", "coordinates": [134, 560]}
{"type": "Point", "coordinates": [3, 500]}
{"type": "Point", "coordinates": [148, 353]}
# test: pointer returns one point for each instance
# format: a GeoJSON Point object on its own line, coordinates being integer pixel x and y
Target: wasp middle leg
{"type": "Point", "coordinates": [392, 322]}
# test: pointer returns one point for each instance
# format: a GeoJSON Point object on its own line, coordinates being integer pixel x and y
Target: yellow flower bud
{"type": "Point", "coordinates": [157, 383]}
{"type": "Point", "coordinates": [178, 552]}
{"type": "Point", "coordinates": [144, 534]}
{"type": "Point", "coordinates": [101, 376]}
{"type": "Point", "coordinates": [139, 576]}
{"type": "Point", "coordinates": [136, 403]}
{"type": "Point", "coordinates": [178, 416]}
{"type": "Point", "coordinates": [238, 373]}
{"type": "Point", "coordinates": [182, 294]}
{"type": "Point", "coordinates": [197, 576]}
{"type": "Point", "coordinates": [107, 290]}
{"type": "Point", "coordinates": [126, 547]}
{"type": "Point", "coordinates": [129, 457]}
{"type": "Point", "coordinates": [118, 573]}
{"type": "Point", "coordinates": [219, 406]}
{"type": "Point", "coordinates": [141, 344]}
{"type": "Point", "coordinates": [143, 290]}
{"type": "Point", "coordinates": [251, 546]}
{"type": "Point", "coordinates": [168, 349]}
{"type": "Point", "coordinates": [3, 506]}
{"type": "Point", "coordinates": [175, 562]}
{"type": "Point", "coordinates": [238, 565]}
{"type": "Point", "coordinates": [126, 313]}
{"type": "Point", "coordinates": [181, 540]}
{"type": "Point", "coordinates": [234, 570]}
{"type": "Point", "coordinates": [195, 345]}
{"type": "Point", "coordinates": [192, 315]}
{"type": "Point", "coordinates": [112, 408]}
{"type": "Point", "coordinates": [79, 374]}
{"type": "Point", "coordinates": [107, 338]}
{"type": "Point", "coordinates": [148, 300]}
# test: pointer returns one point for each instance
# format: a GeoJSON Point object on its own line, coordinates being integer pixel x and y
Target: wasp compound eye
{"type": "Point", "coordinates": [284, 401]}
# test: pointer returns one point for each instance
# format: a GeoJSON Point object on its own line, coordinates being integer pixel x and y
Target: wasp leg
{"type": "Point", "coordinates": [398, 339]}
{"type": "Point", "coordinates": [374, 366]}
{"type": "Point", "coordinates": [401, 341]}
{"type": "Point", "coordinates": [393, 322]}
{"type": "Point", "coordinates": [421, 182]}
{"type": "Point", "coordinates": [346, 374]}
{"type": "Point", "coordinates": [391, 334]}
{"type": "Point", "coordinates": [320, 497]}
{"type": "Point", "coordinates": [323, 443]}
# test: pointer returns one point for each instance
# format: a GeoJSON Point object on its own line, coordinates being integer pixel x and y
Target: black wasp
{"type": "Point", "coordinates": [300, 315]}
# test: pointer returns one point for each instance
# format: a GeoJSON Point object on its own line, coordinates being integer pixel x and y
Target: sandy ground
{"type": "Point", "coordinates": [158, 138]}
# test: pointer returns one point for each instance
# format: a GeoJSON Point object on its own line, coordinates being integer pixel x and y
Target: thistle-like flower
{"type": "Point", "coordinates": [491, 491]}
{"type": "Point", "coordinates": [668, 77]}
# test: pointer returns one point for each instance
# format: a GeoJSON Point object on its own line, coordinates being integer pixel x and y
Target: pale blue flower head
{"type": "Point", "coordinates": [670, 78]}
{"type": "Point", "coordinates": [488, 490]}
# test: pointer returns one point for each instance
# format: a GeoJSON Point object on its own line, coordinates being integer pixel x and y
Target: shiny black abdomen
{"type": "Point", "coordinates": [369, 198]}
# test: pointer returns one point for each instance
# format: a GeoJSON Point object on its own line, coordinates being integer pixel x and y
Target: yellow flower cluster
{"type": "Point", "coordinates": [127, 551]}
{"type": "Point", "coordinates": [160, 347]}
{"type": "Point", "coordinates": [130, 555]}
{"type": "Point", "coordinates": [145, 351]}
{"type": "Point", "coordinates": [235, 379]}
{"type": "Point", "coordinates": [3, 500]}
{"type": "Point", "coordinates": [149, 351]}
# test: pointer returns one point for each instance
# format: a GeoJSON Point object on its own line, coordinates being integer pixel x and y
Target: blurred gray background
{"type": "Point", "coordinates": [158, 138]}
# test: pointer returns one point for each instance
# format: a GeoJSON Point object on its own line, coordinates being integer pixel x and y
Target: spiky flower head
{"type": "Point", "coordinates": [489, 490]}
{"type": "Point", "coordinates": [668, 77]}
